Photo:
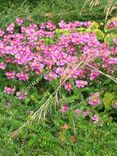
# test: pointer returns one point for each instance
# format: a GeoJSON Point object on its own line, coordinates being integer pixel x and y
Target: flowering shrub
{"type": "Point", "coordinates": [77, 50]}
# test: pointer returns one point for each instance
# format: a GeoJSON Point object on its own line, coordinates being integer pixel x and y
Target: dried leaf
{"type": "Point", "coordinates": [14, 134]}
{"type": "Point", "coordinates": [65, 126]}
{"type": "Point", "coordinates": [72, 138]}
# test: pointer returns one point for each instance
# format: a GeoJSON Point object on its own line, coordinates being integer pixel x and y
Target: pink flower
{"type": "Point", "coordinates": [86, 113]}
{"type": "Point", "coordinates": [42, 25]}
{"type": "Point", "coordinates": [62, 24]}
{"type": "Point", "coordinates": [9, 60]}
{"type": "Point", "coordinates": [19, 21]}
{"type": "Point", "coordinates": [77, 111]}
{"type": "Point", "coordinates": [87, 24]}
{"type": "Point", "coordinates": [59, 70]}
{"type": "Point", "coordinates": [115, 41]}
{"type": "Point", "coordinates": [9, 90]}
{"type": "Point", "coordinates": [2, 65]}
{"type": "Point", "coordinates": [21, 95]}
{"type": "Point", "coordinates": [68, 86]}
{"type": "Point", "coordinates": [112, 61]}
{"type": "Point", "coordinates": [111, 25]}
{"type": "Point", "coordinates": [50, 76]}
{"type": "Point", "coordinates": [10, 74]}
{"type": "Point", "coordinates": [115, 105]}
{"type": "Point", "coordinates": [81, 83]}
{"type": "Point", "coordinates": [65, 108]}
{"type": "Point", "coordinates": [50, 25]}
{"type": "Point", "coordinates": [94, 99]}
{"type": "Point", "coordinates": [10, 28]}
{"type": "Point", "coordinates": [95, 118]}
{"type": "Point", "coordinates": [19, 59]}
{"type": "Point", "coordinates": [94, 74]}
{"type": "Point", "coordinates": [22, 76]}
{"type": "Point", "coordinates": [1, 32]}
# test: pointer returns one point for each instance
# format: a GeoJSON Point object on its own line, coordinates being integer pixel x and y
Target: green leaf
{"type": "Point", "coordinates": [109, 38]}
{"type": "Point", "coordinates": [94, 25]}
{"type": "Point", "coordinates": [108, 100]}
{"type": "Point", "coordinates": [106, 82]}
{"type": "Point", "coordinates": [99, 34]}
{"type": "Point", "coordinates": [26, 101]}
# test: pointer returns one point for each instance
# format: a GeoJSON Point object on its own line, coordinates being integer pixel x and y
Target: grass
{"type": "Point", "coordinates": [44, 10]}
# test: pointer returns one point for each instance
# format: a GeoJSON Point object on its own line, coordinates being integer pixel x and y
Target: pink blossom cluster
{"type": "Point", "coordinates": [9, 90]}
{"type": "Point", "coordinates": [111, 25]}
{"type": "Point", "coordinates": [64, 108]}
{"type": "Point", "coordinates": [76, 24]}
{"type": "Point", "coordinates": [27, 51]}
{"type": "Point", "coordinates": [115, 104]}
{"type": "Point", "coordinates": [94, 99]}
{"type": "Point", "coordinates": [95, 118]}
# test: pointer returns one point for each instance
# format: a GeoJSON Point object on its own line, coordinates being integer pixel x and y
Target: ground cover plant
{"type": "Point", "coordinates": [66, 73]}
{"type": "Point", "coordinates": [58, 85]}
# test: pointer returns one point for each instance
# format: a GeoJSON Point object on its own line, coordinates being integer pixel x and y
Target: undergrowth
{"type": "Point", "coordinates": [56, 10]}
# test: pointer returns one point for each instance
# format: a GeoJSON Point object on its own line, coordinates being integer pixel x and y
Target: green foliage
{"type": "Point", "coordinates": [109, 38]}
{"type": "Point", "coordinates": [44, 10]}
{"type": "Point", "coordinates": [67, 133]}
{"type": "Point", "coordinates": [99, 34]}
{"type": "Point", "coordinates": [108, 100]}
{"type": "Point", "coordinates": [52, 138]}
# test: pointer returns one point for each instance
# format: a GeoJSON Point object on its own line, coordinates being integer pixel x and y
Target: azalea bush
{"type": "Point", "coordinates": [78, 58]}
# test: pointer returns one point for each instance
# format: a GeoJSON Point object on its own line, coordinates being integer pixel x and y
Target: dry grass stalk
{"type": "Point", "coordinates": [107, 75]}
{"type": "Point", "coordinates": [85, 3]}
{"type": "Point", "coordinates": [108, 8]}
{"type": "Point", "coordinates": [41, 112]}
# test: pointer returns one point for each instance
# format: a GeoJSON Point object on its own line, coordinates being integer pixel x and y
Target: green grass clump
{"type": "Point", "coordinates": [56, 10]}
